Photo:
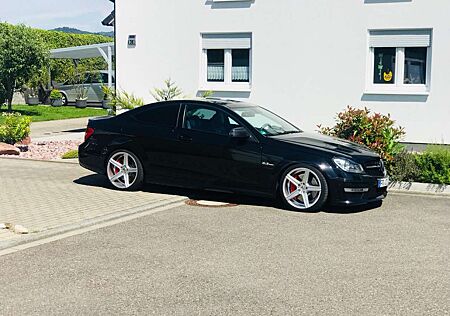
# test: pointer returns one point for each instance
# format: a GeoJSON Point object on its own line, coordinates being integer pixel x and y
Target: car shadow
{"type": "Point", "coordinates": [96, 180]}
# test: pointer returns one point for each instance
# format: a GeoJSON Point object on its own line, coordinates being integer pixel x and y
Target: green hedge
{"type": "Point", "coordinates": [431, 166]}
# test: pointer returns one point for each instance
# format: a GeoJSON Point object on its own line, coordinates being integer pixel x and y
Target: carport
{"type": "Point", "coordinates": [105, 50]}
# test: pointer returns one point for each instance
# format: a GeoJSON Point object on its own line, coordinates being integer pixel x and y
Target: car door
{"type": "Point", "coordinates": [154, 128]}
{"type": "Point", "coordinates": [209, 157]}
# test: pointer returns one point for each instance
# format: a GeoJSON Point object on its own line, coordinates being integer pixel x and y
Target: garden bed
{"type": "Point", "coordinates": [46, 150]}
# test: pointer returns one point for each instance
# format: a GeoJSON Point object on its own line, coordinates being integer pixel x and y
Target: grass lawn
{"type": "Point", "coordinates": [40, 113]}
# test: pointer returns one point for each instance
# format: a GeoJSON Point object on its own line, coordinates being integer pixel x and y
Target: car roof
{"type": "Point", "coordinates": [229, 103]}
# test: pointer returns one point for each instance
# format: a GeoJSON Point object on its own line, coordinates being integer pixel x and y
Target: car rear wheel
{"type": "Point", "coordinates": [125, 171]}
{"type": "Point", "coordinates": [303, 188]}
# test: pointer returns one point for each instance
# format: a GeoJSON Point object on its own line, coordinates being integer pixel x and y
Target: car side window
{"type": "Point", "coordinates": [205, 119]}
{"type": "Point", "coordinates": [163, 115]}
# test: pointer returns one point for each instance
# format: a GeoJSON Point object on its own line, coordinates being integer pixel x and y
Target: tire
{"type": "Point", "coordinates": [294, 190]}
{"type": "Point", "coordinates": [65, 99]}
{"type": "Point", "coordinates": [125, 176]}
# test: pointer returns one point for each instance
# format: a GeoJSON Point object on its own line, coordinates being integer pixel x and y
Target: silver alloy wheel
{"type": "Point", "coordinates": [122, 170]}
{"type": "Point", "coordinates": [302, 188]}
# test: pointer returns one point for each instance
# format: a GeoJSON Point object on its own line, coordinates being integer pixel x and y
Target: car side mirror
{"type": "Point", "coordinates": [239, 132]}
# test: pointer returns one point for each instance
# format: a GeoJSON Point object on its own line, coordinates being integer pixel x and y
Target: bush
{"type": "Point", "coordinates": [404, 167]}
{"type": "Point", "coordinates": [15, 128]}
{"type": "Point", "coordinates": [71, 154]}
{"type": "Point", "coordinates": [434, 165]}
{"type": "Point", "coordinates": [55, 95]}
{"type": "Point", "coordinates": [122, 99]}
{"type": "Point", "coordinates": [375, 131]}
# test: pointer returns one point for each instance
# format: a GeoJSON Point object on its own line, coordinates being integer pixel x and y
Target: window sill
{"type": "Point", "coordinates": [226, 87]}
{"type": "Point", "coordinates": [396, 92]}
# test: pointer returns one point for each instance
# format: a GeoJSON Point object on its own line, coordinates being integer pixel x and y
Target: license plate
{"type": "Point", "coordinates": [382, 183]}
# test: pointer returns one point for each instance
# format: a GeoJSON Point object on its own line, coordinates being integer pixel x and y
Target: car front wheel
{"type": "Point", "coordinates": [303, 188]}
{"type": "Point", "coordinates": [125, 171]}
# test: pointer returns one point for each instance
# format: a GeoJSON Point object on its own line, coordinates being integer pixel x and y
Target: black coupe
{"type": "Point", "coordinates": [231, 146]}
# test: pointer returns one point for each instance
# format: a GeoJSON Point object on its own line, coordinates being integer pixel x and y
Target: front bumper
{"type": "Point", "coordinates": [366, 185]}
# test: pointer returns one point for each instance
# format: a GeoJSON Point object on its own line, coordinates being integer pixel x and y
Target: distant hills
{"type": "Point", "coordinates": [72, 30]}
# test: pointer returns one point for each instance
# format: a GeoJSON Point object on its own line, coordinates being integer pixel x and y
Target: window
{"type": "Point", "coordinates": [240, 71]}
{"type": "Point", "coordinates": [204, 119]}
{"type": "Point", "coordinates": [216, 65]}
{"type": "Point", "coordinates": [400, 61]}
{"type": "Point", "coordinates": [165, 115]}
{"type": "Point", "coordinates": [227, 62]}
{"type": "Point", "coordinates": [415, 65]}
{"type": "Point", "coordinates": [265, 122]}
{"type": "Point", "coordinates": [384, 65]}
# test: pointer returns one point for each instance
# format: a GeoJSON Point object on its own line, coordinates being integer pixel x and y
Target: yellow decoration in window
{"type": "Point", "coordinates": [387, 76]}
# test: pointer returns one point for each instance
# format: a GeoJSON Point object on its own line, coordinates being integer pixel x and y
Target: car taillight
{"type": "Point", "coordinates": [89, 132]}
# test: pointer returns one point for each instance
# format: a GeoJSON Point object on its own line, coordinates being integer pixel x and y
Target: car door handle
{"type": "Point", "coordinates": [185, 138]}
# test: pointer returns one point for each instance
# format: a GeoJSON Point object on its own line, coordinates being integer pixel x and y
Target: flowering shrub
{"type": "Point", "coordinates": [376, 131]}
{"type": "Point", "coordinates": [15, 128]}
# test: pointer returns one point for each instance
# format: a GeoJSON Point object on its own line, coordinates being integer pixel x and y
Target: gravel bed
{"type": "Point", "coordinates": [46, 150]}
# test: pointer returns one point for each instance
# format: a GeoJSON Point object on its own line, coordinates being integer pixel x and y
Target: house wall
{"type": "Point", "coordinates": [309, 56]}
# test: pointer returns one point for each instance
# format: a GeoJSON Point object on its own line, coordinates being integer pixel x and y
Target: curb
{"type": "Point", "coordinates": [62, 161]}
{"type": "Point", "coordinates": [25, 239]}
{"type": "Point", "coordinates": [420, 188]}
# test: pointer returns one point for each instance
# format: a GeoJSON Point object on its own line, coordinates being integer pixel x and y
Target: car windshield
{"type": "Point", "coordinates": [265, 122]}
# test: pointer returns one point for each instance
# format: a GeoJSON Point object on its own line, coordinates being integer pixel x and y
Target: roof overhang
{"type": "Point", "coordinates": [83, 52]}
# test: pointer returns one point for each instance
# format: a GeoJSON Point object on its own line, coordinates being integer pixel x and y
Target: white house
{"type": "Point", "coordinates": [304, 59]}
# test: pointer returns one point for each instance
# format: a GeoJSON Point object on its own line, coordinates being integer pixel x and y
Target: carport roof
{"type": "Point", "coordinates": [82, 52]}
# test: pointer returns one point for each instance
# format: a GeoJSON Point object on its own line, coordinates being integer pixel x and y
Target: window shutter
{"type": "Point", "coordinates": [227, 41]}
{"type": "Point", "coordinates": [400, 38]}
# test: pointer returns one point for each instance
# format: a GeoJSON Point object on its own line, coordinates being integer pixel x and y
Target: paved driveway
{"type": "Point", "coordinates": [46, 195]}
{"type": "Point", "coordinates": [245, 260]}
{"type": "Point", "coordinates": [59, 130]}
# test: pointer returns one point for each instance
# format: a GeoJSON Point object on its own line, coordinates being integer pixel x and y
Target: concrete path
{"type": "Point", "coordinates": [245, 260]}
{"type": "Point", "coordinates": [44, 196]}
{"type": "Point", "coordinates": [72, 129]}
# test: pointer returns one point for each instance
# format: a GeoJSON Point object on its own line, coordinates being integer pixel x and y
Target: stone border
{"type": "Point", "coordinates": [63, 161]}
{"type": "Point", "coordinates": [421, 188]}
{"type": "Point", "coordinates": [24, 239]}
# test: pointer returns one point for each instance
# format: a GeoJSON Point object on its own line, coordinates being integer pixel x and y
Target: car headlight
{"type": "Point", "coordinates": [348, 165]}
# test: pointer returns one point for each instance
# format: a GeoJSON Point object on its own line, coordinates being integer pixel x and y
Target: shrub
{"type": "Point", "coordinates": [55, 95]}
{"type": "Point", "coordinates": [375, 131]}
{"type": "Point", "coordinates": [123, 99]}
{"type": "Point", "coordinates": [15, 128]}
{"type": "Point", "coordinates": [404, 167]}
{"type": "Point", "coordinates": [71, 154]}
{"type": "Point", "coordinates": [169, 92]}
{"type": "Point", "coordinates": [434, 165]}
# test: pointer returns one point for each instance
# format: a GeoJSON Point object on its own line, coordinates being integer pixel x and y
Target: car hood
{"type": "Point", "coordinates": [328, 143]}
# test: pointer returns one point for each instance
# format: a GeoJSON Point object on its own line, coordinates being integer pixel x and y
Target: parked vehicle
{"type": "Point", "coordinates": [231, 146]}
{"type": "Point", "coordinates": [92, 82]}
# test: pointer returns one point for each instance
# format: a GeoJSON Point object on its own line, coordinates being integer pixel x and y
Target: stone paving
{"type": "Point", "coordinates": [45, 195]}
{"type": "Point", "coordinates": [71, 129]}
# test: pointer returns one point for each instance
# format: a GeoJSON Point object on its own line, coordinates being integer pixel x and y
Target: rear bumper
{"type": "Point", "coordinates": [91, 159]}
{"type": "Point", "coordinates": [366, 191]}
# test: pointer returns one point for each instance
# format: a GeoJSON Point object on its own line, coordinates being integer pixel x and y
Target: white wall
{"type": "Point", "coordinates": [309, 56]}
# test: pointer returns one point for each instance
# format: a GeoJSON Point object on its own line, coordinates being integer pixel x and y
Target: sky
{"type": "Point", "coordinates": [85, 15]}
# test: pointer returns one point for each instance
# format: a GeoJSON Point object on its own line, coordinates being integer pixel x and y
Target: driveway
{"type": "Point", "coordinates": [244, 260]}
{"type": "Point", "coordinates": [43, 196]}
{"type": "Point", "coordinates": [71, 129]}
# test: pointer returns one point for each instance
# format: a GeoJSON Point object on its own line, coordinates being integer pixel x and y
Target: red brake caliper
{"type": "Point", "coordinates": [292, 187]}
{"type": "Point", "coordinates": [116, 170]}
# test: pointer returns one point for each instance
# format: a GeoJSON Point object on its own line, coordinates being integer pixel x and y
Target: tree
{"type": "Point", "coordinates": [22, 54]}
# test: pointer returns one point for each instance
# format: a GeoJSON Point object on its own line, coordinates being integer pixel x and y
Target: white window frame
{"type": "Point", "coordinates": [227, 84]}
{"type": "Point", "coordinates": [398, 87]}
